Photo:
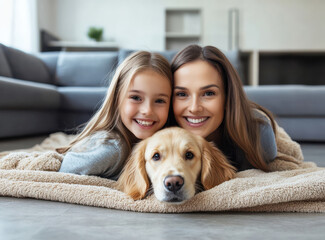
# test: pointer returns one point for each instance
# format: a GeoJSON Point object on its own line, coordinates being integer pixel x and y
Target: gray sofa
{"type": "Point", "coordinates": [299, 109]}
{"type": "Point", "coordinates": [53, 91]}
{"type": "Point", "coordinates": [57, 91]}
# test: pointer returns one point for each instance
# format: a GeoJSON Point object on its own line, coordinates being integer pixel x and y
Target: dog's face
{"type": "Point", "coordinates": [173, 164]}
{"type": "Point", "coordinates": [178, 164]}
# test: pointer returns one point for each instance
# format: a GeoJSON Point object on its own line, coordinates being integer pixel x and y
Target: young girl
{"type": "Point", "coordinates": [136, 106]}
{"type": "Point", "coordinates": [209, 100]}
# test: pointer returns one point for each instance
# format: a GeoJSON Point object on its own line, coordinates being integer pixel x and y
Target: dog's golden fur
{"type": "Point", "coordinates": [181, 153]}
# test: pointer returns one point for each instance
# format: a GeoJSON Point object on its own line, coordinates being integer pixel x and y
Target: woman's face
{"type": "Point", "coordinates": [199, 98]}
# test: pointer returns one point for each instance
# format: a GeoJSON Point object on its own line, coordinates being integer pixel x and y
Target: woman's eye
{"type": "Point", "coordinates": [156, 157]}
{"type": "Point", "coordinates": [181, 94]}
{"type": "Point", "coordinates": [189, 155]}
{"type": "Point", "coordinates": [209, 93]}
{"type": "Point", "coordinates": [135, 98]}
{"type": "Point", "coordinates": [160, 101]}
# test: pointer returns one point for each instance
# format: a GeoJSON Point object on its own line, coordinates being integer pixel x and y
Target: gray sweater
{"type": "Point", "coordinates": [268, 143]}
{"type": "Point", "coordinates": [97, 155]}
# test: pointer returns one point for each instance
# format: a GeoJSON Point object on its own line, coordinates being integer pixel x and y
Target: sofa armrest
{"type": "Point", "coordinates": [22, 94]}
{"type": "Point", "coordinates": [299, 109]}
{"type": "Point", "coordinates": [289, 100]}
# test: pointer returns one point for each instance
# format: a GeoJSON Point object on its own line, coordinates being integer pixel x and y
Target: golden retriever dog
{"type": "Point", "coordinates": [174, 164]}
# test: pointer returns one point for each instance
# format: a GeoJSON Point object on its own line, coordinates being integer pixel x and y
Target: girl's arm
{"type": "Point", "coordinates": [104, 160]}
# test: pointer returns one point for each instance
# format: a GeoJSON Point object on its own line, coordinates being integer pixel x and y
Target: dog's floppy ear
{"type": "Point", "coordinates": [134, 180]}
{"type": "Point", "coordinates": [215, 167]}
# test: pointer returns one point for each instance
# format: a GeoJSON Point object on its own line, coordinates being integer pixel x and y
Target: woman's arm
{"type": "Point", "coordinates": [267, 140]}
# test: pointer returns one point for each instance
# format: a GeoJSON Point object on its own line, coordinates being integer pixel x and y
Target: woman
{"type": "Point", "coordinates": [209, 100]}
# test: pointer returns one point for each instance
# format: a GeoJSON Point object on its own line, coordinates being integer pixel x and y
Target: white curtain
{"type": "Point", "coordinates": [18, 24]}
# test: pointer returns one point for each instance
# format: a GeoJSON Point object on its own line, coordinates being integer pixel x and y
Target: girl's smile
{"type": "Point", "coordinates": [145, 123]}
{"type": "Point", "coordinates": [145, 108]}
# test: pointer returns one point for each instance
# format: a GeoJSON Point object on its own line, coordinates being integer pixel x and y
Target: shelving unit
{"type": "Point", "coordinates": [183, 27]}
{"type": "Point", "coordinates": [265, 67]}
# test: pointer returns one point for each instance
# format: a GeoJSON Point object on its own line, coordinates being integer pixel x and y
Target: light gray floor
{"type": "Point", "coordinates": [37, 219]}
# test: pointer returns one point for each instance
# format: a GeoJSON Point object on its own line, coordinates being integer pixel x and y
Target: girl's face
{"type": "Point", "coordinates": [145, 108]}
{"type": "Point", "coordinates": [199, 98]}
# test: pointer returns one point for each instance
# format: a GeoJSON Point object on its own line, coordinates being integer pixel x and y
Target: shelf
{"type": "Point", "coordinates": [182, 35]}
{"type": "Point", "coordinates": [311, 51]}
{"type": "Point", "coordinates": [183, 27]}
{"type": "Point", "coordinates": [84, 46]}
{"type": "Point", "coordinates": [268, 67]}
{"type": "Point", "coordinates": [292, 68]}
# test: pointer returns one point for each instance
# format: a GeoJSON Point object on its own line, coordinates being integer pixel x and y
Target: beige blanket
{"type": "Point", "coordinates": [301, 188]}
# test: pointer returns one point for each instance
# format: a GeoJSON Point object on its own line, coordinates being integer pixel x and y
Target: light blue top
{"type": "Point", "coordinates": [96, 156]}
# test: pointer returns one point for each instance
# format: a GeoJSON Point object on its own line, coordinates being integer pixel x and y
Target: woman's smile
{"type": "Point", "coordinates": [196, 121]}
{"type": "Point", "coordinates": [199, 98]}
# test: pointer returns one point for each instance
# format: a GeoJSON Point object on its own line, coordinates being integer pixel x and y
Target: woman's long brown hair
{"type": "Point", "coordinates": [239, 123]}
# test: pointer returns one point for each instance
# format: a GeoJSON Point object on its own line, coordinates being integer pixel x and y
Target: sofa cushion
{"type": "Point", "coordinates": [303, 128]}
{"type": "Point", "coordinates": [19, 94]}
{"type": "Point", "coordinates": [50, 59]}
{"type": "Point", "coordinates": [289, 100]}
{"type": "Point", "coordinates": [123, 54]}
{"type": "Point", "coordinates": [26, 66]}
{"type": "Point", "coordinates": [169, 55]}
{"type": "Point", "coordinates": [84, 99]}
{"type": "Point", "coordinates": [85, 68]}
{"type": "Point", "coordinates": [4, 66]}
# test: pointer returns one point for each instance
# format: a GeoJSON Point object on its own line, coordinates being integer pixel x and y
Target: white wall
{"type": "Point", "coordinates": [140, 24]}
{"type": "Point", "coordinates": [283, 24]}
{"type": "Point", "coordinates": [128, 22]}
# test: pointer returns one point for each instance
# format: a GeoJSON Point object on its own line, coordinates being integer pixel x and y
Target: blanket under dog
{"type": "Point", "coordinates": [293, 186]}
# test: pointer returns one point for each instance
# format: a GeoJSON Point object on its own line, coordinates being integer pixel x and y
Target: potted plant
{"type": "Point", "coordinates": [95, 33]}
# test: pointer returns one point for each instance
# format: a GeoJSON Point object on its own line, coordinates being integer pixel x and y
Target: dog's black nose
{"type": "Point", "coordinates": [173, 183]}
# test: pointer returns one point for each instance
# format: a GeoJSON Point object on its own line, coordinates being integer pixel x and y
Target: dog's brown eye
{"type": "Point", "coordinates": [189, 155]}
{"type": "Point", "coordinates": [156, 157]}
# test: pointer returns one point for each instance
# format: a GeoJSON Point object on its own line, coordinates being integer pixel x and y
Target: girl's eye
{"type": "Point", "coordinates": [180, 94]}
{"type": "Point", "coordinates": [209, 93]}
{"type": "Point", "coordinates": [189, 155]}
{"type": "Point", "coordinates": [136, 98]}
{"type": "Point", "coordinates": [156, 157]}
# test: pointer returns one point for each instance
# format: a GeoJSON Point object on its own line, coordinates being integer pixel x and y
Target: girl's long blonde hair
{"type": "Point", "coordinates": [108, 116]}
{"type": "Point", "coordinates": [239, 124]}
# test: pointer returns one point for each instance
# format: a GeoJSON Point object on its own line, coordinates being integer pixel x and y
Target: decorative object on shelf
{"type": "Point", "coordinates": [95, 33]}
